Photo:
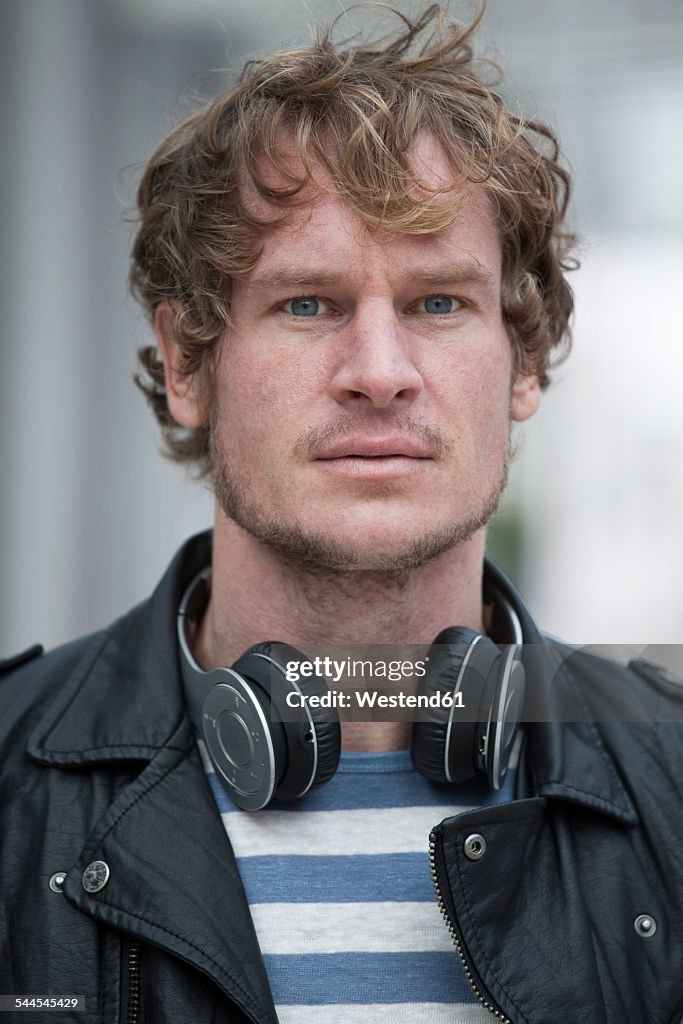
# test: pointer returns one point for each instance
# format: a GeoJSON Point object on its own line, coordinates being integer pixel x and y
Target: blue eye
{"type": "Point", "coordinates": [439, 304]}
{"type": "Point", "coordinates": [305, 306]}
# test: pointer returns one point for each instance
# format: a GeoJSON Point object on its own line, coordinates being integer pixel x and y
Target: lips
{"type": "Point", "coordinates": [375, 448]}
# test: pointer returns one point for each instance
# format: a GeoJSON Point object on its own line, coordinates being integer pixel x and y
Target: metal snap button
{"type": "Point", "coordinates": [57, 880]}
{"type": "Point", "coordinates": [475, 846]}
{"type": "Point", "coordinates": [645, 925]}
{"type": "Point", "coordinates": [95, 876]}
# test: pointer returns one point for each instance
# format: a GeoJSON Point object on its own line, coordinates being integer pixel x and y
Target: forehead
{"type": "Point", "coordinates": [320, 225]}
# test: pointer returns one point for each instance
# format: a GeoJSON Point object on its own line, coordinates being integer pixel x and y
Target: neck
{"type": "Point", "coordinates": [255, 597]}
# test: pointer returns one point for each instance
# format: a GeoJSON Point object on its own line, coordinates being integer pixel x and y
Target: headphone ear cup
{"type": "Point", "coordinates": [444, 739]}
{"type": "Point", "coordinates": [327, 732]}
{"type": "Point", "coordinates": [313, 733]}
{"type": "Point", "coordinates": [430, 732]}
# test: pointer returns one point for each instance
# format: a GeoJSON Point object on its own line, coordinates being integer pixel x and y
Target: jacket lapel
{"type": "Point", "coordinates": [567, 756]}
{"type": "Point", "coordinates": [173, 880]}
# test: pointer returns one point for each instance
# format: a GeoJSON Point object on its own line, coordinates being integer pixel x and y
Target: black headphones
{"type": "Point", "coordinates": [263, 748]}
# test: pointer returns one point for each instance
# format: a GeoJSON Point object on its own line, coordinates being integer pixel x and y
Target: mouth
{"type": "Point", "coordinates": [376, 449]}
{"type": "Point", "coordinates": [375, 458]}
{"type": "Point", "coordinates": [373, 466]}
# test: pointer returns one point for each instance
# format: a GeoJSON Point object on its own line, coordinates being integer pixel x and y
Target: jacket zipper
{"type": "Point", "coordinates": [449, 918]}
{"type": "Point", "coordinates": [133, 984]}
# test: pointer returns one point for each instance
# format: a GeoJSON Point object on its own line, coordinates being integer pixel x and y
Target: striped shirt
{"type": "Point", "coordinates": [341, 895]}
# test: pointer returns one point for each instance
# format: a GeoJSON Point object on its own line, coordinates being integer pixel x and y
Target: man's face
{"type": "Point", "coordinates": [365, 391]}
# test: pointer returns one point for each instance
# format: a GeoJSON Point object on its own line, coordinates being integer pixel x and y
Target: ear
{"type": "Point", "coordinates": [181, 391]}
{"type": "Point", "coordinates": [525, 398]}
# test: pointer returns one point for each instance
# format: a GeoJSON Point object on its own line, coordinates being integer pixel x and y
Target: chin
{"type": "Point", "coordinates": [362, 552]}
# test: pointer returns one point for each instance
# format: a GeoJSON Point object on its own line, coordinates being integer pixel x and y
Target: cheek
{"type": "Point", "coordinates": [475, 388]}
{"type": "Point", "coordinates": [261, 395]}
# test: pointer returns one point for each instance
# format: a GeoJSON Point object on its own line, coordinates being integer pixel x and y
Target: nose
{"type": "Point", "coordinates": [376, 362]}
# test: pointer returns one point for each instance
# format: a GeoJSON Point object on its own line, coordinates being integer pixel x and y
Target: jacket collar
{"type": "Point", "coordinates": [123, 701]}
{"type": "Point", "coordinates": [568, 756]}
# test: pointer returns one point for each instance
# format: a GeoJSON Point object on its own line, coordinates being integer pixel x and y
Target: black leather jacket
{"type": "Point", "coordinates": [99, 764]}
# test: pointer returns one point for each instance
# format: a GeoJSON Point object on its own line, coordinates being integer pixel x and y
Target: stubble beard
{"type": "Point", "coordinates": [319, 554]}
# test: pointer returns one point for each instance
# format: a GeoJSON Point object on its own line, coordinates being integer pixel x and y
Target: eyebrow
{"type": "Point", "coordinates": [470, 272]}
{"type": "Point", "coordinates": [286, 278]}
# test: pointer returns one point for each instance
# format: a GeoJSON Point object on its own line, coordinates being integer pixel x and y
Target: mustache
{"type": "Point", "coordinates": [315, 438]}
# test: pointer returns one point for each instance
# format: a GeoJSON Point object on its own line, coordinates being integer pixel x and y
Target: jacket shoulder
{"type": "Point", "coordinates": [31, 676]}
{"type": "Point", "coordinates": [597, 687]}
{"type": "Point", "coordinates": [660, 675]}
{"type": "Point", "coordinates": [8, 664]}
{"type": "Point", "coordinates": [602, 663]}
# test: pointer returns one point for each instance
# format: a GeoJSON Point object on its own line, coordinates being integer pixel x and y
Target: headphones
{"type": "Point", "coordinates": [264, 748]}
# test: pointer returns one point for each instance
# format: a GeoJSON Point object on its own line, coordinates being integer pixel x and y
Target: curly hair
{"type": "Point", "coordinates": [354, 111]}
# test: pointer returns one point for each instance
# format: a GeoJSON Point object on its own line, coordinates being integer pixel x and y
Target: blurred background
{"type": "Point", "coordinates": [90, 514]}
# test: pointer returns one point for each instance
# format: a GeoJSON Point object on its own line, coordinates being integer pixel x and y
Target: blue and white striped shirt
{"type": "Point", "coordinates": [342, 899]}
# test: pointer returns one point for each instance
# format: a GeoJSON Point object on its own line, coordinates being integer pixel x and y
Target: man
{"type": "Point", "coordinates": [354, 265]}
